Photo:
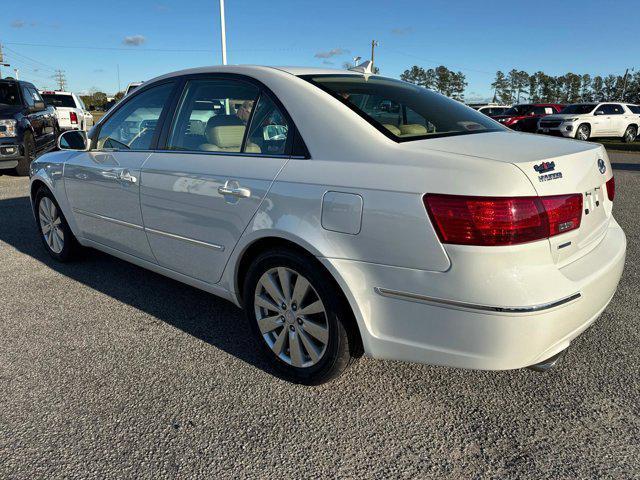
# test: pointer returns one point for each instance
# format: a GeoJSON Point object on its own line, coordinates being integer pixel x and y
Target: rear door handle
{"type": "Point", "coordinates": [232, 188]}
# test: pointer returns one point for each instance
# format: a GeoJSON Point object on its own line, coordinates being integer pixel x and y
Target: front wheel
{"type": "Point", "coordinates": [54, 230]}
{"type": "Point", "coordinates": [299, 318]}
{"type": "Point", "coordinates": [29, 155]}
{"type": "Point", "coordinates": [583, 132]}
{"type": "Point", "coordinates": [630, 134]}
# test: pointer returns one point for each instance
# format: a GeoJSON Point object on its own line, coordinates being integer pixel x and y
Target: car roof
{"type": "Point", "coordinates": [254, 69]}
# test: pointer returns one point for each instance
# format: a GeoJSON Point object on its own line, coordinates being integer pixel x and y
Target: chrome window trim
{"type": "Point", "coordinates": [414, 297]}
{"type": "Point", "coordinates": [203, 152]}
{"type": "Point", "coordinates": [185, 239]}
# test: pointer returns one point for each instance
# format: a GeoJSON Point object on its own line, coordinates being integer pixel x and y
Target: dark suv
{"type": "Point", "coordinates": [28, 127]}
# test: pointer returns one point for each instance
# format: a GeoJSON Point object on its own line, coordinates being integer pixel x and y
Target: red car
{"type": "Point", "coordinates": [524, 117]}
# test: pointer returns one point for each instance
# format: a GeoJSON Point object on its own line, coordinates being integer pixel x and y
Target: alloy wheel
{"type": "Point", "coordinates": [51, 225]}
{"type": "Point", "coordinates": [630, 135]}
{"type": "Point", "coordinates": [583, 133]}
{"type": "Point", "coordinates": [291, 317]}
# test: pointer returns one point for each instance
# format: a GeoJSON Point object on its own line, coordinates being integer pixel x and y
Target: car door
{"type": "Point", "coordinates": [48, 118]}
{"type": "Point", "coordinates": [36, 118]}
{"type": "Point", "coordinates": [601, 124]}
{"type": "Point", "coordinates": [225, 146]}
{"type": "Point", "coordinates": [619, 120]}
{"type": "Point", "coordinates": [103, 184]}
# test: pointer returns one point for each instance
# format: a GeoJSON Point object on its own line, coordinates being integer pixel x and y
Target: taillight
{"type": "Point", "coordinates": [611, 188]}
{"type": "Point", "coordinates": [73, 117]}
{"type": "Point", "coordinates": [492, 221]}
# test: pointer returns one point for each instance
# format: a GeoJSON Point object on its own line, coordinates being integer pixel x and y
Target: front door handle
{"type": "Point", "coordinates": [232, 188]}
{"type": "Point", "coordinates": [125, 176]}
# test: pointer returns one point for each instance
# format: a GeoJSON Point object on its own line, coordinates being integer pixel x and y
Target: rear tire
{"type": "Point", "coordinates": [29, 149]}
{"type": "Point", "coordinates": [630, 134]}
{"type": "Point", "coordinates": [300, 320]}
{"type": "Point", "coordinates": [583, 132]}
{"type": "Point", "coordinates": [54, 230]}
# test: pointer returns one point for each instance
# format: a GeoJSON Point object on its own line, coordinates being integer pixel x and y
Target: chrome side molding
{"type": "Point", "coordinates": [414, 297]}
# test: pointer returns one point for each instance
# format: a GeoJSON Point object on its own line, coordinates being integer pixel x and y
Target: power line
{"type": "Point", "coordinates": [35, 62]}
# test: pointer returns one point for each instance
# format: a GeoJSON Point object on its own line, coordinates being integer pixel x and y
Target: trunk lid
{"type": "Point", "coordinates": [554, 166]}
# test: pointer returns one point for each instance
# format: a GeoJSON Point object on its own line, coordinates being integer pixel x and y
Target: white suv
{"type": "Point", "coordinates": [588, 120]}
{"type": "Point", "coordinates": [70, 110]}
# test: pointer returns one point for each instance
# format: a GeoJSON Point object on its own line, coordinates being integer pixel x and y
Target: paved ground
{"type": "Point", "coordinates": [107, 370]}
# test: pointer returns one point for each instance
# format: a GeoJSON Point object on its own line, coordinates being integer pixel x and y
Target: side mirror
{"type": "Point", "coordinates": [73, 140]}
{"type": "Point", "coordinates": [598, 112]}
{"type": "Point", "coordinates": [38, 107]}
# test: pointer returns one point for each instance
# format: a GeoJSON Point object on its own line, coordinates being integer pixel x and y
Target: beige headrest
{"type": "Point", "coordinates": [413, 129]}
{"type": "Point", "coordinates": [227, 136]}
{"type": "Point", "coordinates": [392, 128]}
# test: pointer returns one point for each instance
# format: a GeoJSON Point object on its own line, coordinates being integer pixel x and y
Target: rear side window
{"type": "Point", "coordinates": [401, 110]}
{"type": "Point", "coordinates": [213, 116]}
{"type": "Point", "coordinates": [269, 129]}
{"type": "Point", "coordinates": [134, 125]}
{"type": "Point", "coordinates": [634, 108]}
{"type": "Point", "coordinates": [59, 100]}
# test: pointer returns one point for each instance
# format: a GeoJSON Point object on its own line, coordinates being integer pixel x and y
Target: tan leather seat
{"type": "Point", "coordinates": [227, 138]}
{"type": "Point", "coordinates": [392, 128]}
{"type": "Point", "coordinates": [413, 129]}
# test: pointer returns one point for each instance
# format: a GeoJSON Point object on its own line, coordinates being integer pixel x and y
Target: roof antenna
{"type": "Point", "coordinates": [366, 68]}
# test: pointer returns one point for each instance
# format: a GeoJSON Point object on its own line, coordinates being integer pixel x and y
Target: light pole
{"type": "Point", "coordinates": [223, 33]}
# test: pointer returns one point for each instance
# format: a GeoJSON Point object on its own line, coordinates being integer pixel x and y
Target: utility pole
{"type": "Point", "coordinates": [118, 68]}
{"type": "Point", "coordinates": [223, 33]}
{"type": "Point", "coordinates": [624, 84]}
{"type": "Point", "coordinates": [2, 64]}
{"type": "Point", "coordinates": [61, 79]}
{"type": "Point", "coordinates": [374, 44]}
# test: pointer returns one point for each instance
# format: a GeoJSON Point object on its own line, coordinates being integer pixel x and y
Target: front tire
{"type": "Point", "coordinates": [29, 150]}
{"type": "Point", "coordinates": [299, 318]}
{"type": "Point", "coordinates": [630, 134]}
{"type": "Point", "coordinates": [54, 230]}
{"type": "Point", "coordinates": [583, 132]}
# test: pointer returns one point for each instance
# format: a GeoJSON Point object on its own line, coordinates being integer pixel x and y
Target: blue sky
{"type": "Point", "coordinates": [149, 37]}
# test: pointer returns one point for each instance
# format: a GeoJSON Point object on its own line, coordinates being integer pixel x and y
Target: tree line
{"type": "Point", "coordinates": [518, 86]}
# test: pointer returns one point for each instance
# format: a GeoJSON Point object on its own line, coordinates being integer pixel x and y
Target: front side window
{"type": "Point", "coordinates": [28, 97]}
{"type": "Point", "coordinates": [616, 109]}
{"type": "Point", "coordinates": [213, 117]}
{"type": "Point", "coordinates": [402, 110]}
{"type": "Point", "coordinates": [133, 126]}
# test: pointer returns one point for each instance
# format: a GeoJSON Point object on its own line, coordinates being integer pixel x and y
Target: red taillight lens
{"type": "Point", "coordinates": [564, 212]}
{"type": "Point", "coordinates": [496, 221]}
{"type": "Point", "coordinates": [611, 188]}
{"type": "Point", "coordinates": [73, 116]}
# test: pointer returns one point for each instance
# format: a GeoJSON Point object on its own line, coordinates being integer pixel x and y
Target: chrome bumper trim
{"type": "Point", "coordinates": [414, 297]}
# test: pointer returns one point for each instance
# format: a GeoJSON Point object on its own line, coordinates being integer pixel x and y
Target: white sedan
{"type": "Point", "coordinates": [425, 233]}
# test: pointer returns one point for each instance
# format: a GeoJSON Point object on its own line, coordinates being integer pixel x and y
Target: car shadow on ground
{"type": "Point", "coordinates": [200, 314]}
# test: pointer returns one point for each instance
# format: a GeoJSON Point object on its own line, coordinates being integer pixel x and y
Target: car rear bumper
{"type": "Point", "coordinates": [400, 321]}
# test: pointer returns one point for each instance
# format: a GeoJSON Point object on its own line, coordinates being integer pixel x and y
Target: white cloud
{"type": "Point", "coordinates": [331, 53]}
{"type": "Point", "coordinates": [18, 24]}
{"type": "Point", "coordinates": [134, 40]}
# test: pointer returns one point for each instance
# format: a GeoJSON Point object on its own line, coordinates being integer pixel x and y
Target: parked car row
{"type": "Point", "coordinates": [582, 121]}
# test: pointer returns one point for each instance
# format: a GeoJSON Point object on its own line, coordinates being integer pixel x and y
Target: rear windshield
{"type": "Point", "coordinates": [58, 100]}
{"type": "Point", "coordinates": [9, 94]}
{"type": "Point", "coordinates": [580, 108]}
{"type": "Point", "coordinates": [401, 110]}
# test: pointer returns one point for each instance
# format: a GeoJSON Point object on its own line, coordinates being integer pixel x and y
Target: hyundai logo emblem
{"type": "Point", "coordinates": [602, 166]}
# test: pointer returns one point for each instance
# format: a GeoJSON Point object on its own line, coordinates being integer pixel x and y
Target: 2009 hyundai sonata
{"type": "Point", "coordinates": [345, 212]}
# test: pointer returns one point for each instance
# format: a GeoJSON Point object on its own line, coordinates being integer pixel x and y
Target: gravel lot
{"type": "Point", "coordinates": [108, 370]}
